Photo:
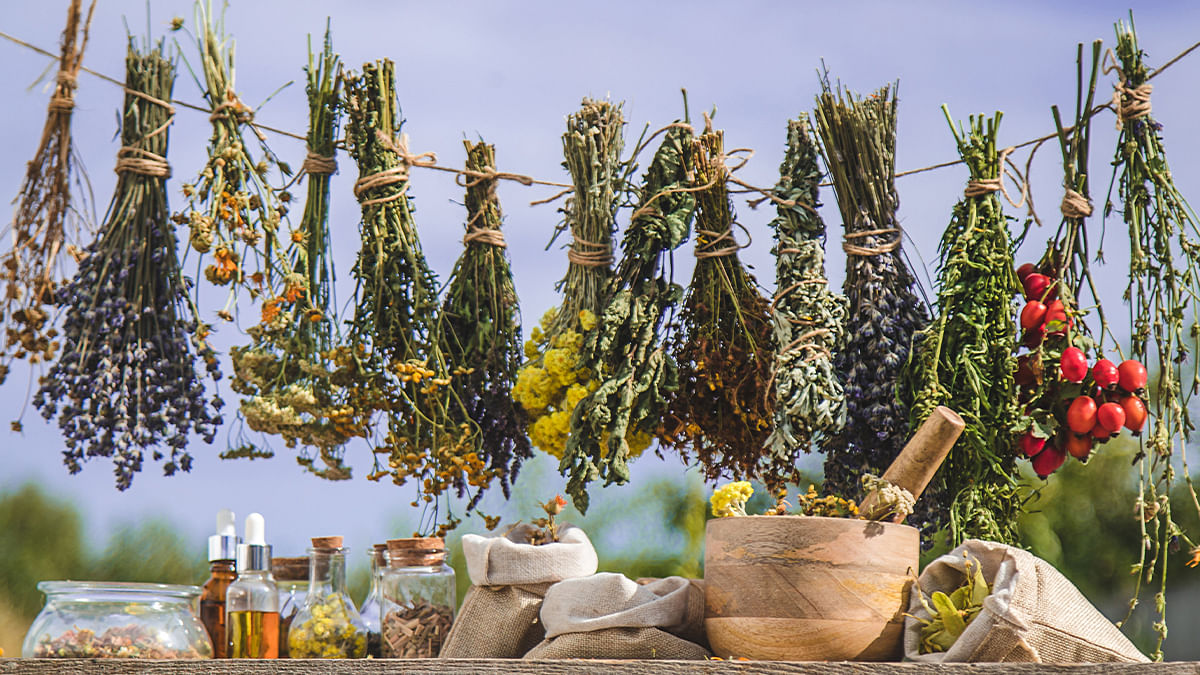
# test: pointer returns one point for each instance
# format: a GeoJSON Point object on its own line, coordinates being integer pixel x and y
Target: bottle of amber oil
{"type": "Point", "coordinates": [222, 551]}
{"type": "Point", "coordinates": [252, 602]}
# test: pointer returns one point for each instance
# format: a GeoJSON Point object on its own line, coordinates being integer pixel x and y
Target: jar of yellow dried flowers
{"type": "Point", "coordinates": [329, 625]}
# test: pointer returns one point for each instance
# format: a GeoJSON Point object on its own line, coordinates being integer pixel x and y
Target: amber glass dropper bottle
{"type": "Point", "coordinates": [252, 602]}
{"type": "Point", "coordinates": [222, 550]}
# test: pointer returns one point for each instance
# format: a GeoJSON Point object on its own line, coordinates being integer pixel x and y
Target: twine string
{"type": "Point", "coordinates": [134, 159]}
{"type": "Point", "coordinates": [1131, 103]}
{"type": "Point", "coordinates": [1075, 205]}
{"type": "Point", "coordinates": [866, 251]}
{"type": "Point", "coordinates": [318, 165]}
{"type": "Point", "coordinates": [979, 187]}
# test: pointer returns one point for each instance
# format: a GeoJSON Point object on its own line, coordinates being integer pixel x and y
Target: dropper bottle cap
{"type": "Point", "coordinates": [223, 544]}
{"type": "Point", "coordinates": [255, 554]}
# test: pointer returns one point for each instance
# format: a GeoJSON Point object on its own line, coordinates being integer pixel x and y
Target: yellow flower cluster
{"type": "Point", "coordinates": [552, 384]}
{"type": "Point", "coordinates": [830, 506]}
{"type": "Point", "coordinates": [327, 632]}
{"type": "Point", "coordinates": [730, 499]}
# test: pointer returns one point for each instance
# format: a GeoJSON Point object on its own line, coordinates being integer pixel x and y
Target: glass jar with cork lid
{"type": "Point", "coordinates": [370, 609]}
{"type": "Point", "coordinates": [419, 597]}
{"type": "Point", "coordinates": [328, 626]}
{"type": "Point", "coordinates": [291, 576]}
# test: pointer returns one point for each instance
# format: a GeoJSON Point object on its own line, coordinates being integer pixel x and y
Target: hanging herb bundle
{"type": "Point", "coordinates": [635, 373]}
{"type": "Point", "coordinates": [233, 213]}
{"type": "Point", "coordinates": [722, 409]}
{"type": "Point", "coordinates": [964, 360]}
{"type": "Point", "coordinates": [394, 362]}
{"type": "Point", "coordinates": [480, 324]}
{"type": "Point", "coordinates": [286, 374]}
{"type": "Point", "coordinates": [858, 138]}
{"type": "Point", "coordinates": [1164, 283]}
{"type": "Point", "coordinates": [127, 379]}
{"type": "Point", "coordinates": [44, 214]}
{"type": "Point", "coordinates": [808, 317]}
{"type": "Point", "coordinates": [554, 381]}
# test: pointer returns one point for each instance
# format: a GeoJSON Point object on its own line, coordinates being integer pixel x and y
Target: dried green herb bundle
{"type": "Point", "coordinates": [285, 374]}
{"type": "Point", "coordinates": [808, 316]}
{"type": "Point", "coordinates": [858, 137]}
{"type": "Point", "coordinates": [964, 360]}
{"type": "Point", "coordinates": [635, 372]}
{"type": "Point", "coordinates": [553, 381]}
{"type": "Point", "coordinates": [722, 409]}
{"type": "Point", "coordinates": [480, 324]}
{"type": "Point", "coordinates": [128, 381]}
{"type": "Point", "coordinates": [233, 212]}
{"type": "Point", "coordinates": [1164, 284]}
{"type": "Point", "coordinates": [39, 230]}
{"type": "Point", "coordinates": [394, 361]}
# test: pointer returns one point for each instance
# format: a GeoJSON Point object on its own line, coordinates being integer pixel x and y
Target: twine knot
{"type": "Point", "coordinates": [1075, 205]}
{"type": "Point", "coordinates": [395, 175]}
{"type": "Point", "coordinates": [589, 253]}
{"type": "Point", "coordinates": [1132, 102]}
{"type": "Point", "coordinates": [234, 109]}
{"type": "Point", "coordinates": [320, 165]}
{"type": "Point", "coordinates": [865, 251]}
{"type": "Point", "coordinates": [485, 235]}
{"type": "Point", "coordinates": [63, 99]}
{"type": "Point", "coordinates": [142, 162]}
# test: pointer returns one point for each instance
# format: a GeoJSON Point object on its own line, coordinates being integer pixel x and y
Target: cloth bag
{"type": "Point", "coordinates": [509, 578]}
{"type": "Point", "coordinates": [1033, 614]}
{"type": "Point", "coordinates": [609, 616]}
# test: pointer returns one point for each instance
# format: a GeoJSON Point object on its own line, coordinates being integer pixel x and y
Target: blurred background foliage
{"type": "Point", "coordinates": [1082, 521]}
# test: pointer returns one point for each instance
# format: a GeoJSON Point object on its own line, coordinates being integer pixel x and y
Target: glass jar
{"type": "Point", "coordinates": [84, 619]}
{"type": "Point", "coordinates": [212, 603]}
{"type": "Point", "coordinates": [291, 576]}
{"type": "Point", "coordinates": [370, 611]}
{"type": "Point", "coordinates": [418, 598]}
{"type": "Point", "coordinates": [329, 626]}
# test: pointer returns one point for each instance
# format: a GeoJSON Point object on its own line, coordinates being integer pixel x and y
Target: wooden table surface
{"type": "Point", "coordinates": [571, 667]}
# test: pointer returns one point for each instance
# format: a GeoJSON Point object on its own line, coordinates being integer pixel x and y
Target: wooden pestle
{"type": "Point", "coordinates": [916, 464]}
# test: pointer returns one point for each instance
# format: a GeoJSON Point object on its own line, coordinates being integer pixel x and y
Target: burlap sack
{"type": "Point", "coordinates": [609, 616]}
{"type": "Point", "coordinates": [509, 577]}
{"type": "Point", "coordinates": [1033, 614]}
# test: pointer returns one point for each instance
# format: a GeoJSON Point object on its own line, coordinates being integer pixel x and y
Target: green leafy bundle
{"type": "Point", "coordinates": [964, 360]}
{"type": "Point", "coordinates": [286, 373]}
{"type": "Point", "coordinates": [808, 317]}
{"type": "Point", "coordinates": [394, 361]}
{"type": "Point", "coordinates": [635, 372]}
{"type": "Point", "coordinates": [1164, 285]}
{"type": "Point", "coordinates": [722, 409]}
{"type": "Point", "coordinates": [480, 324]}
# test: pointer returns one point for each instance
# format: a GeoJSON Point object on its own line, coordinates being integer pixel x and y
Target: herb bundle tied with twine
{"type": "Point", "coordinates": [47, 221]}
{"type": "Point", "coordinates": [635, 373]}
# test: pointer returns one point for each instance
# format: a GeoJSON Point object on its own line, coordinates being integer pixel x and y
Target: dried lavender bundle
{"type": "Point", "coordinates": [553, 381]}
{"type": "Point", "coordinates": [127, 379]}
{"type": "Point", "coordinates": [625, 349]}
{"type": "Point", "coordinates": [285, 374]}
{"type": "Point", "coordinates": [858, 139]}
{"type": "Point", "coordinates": [480, 324]}
{"type": "Point", "coordinates": [394, 362]}
{"type": "Point", "coordinates": [808, 317]}
{"type": "Point", "coordinates": [39, 232]}
{"type": "Point", "coordinates": [965, 358]}
{"type": "Point", "coordinates": [721, 413]}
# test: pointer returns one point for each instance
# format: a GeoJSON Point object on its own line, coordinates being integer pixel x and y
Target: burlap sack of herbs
{"type": "Point", "coordinates": [609, 616]}
{"type": "Point", "coordinates": [510, 575]}
{"type": "Point", "coordinates": [1011, 606]}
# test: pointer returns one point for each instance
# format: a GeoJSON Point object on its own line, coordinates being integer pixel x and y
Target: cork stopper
{"type": "Point", "coordinates": [379, 555]}
{"type": "Point", "coordinates": [416, 551]}
{"type": "Point", "coordinates": [327, 542]}
{"type": "Point", "coordinates": [290, 569]}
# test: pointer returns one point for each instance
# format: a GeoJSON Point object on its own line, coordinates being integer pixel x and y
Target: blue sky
{"type": "Point", "coordinates": [510, 73]}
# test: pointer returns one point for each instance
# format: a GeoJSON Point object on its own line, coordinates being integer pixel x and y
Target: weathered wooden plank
{"type": "Point", "coordinates": [571, 667]}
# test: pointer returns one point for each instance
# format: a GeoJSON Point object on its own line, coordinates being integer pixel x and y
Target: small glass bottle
{"type": "Point", "coordinates": [222, 550]}
{"type": "Point", "coordinates": [252, 602]}
{"type": "Point", "coordinates": [418, 598]}
{"type": "Point", "coordinates": [291, 576]}
{"type": "Point", "coordinates": [329, 626]}
{"type": "Point", "coordinates": [370, 610]}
